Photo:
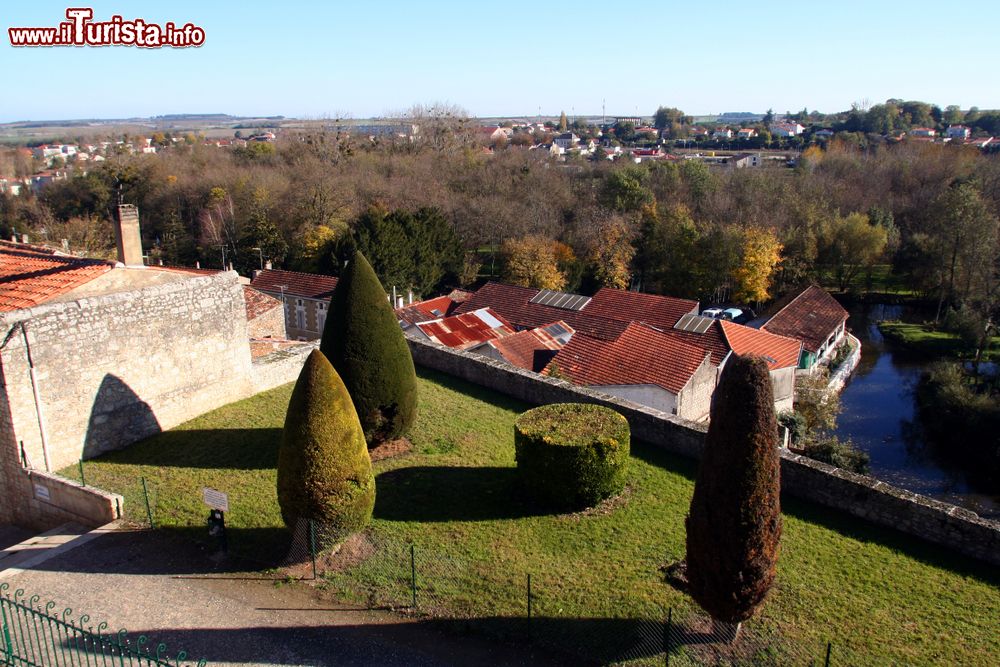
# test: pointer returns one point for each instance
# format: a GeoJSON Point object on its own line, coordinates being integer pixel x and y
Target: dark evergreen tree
{"type": "Point", "coordinates": [410, 250]}
{"type": "Point", "coordinates": [437, 251]}
{"type": "Point", "coordinates": [382, 238]}
{"type": "Point", "coordinates": [324, 471]}
{"type": "Point", "coordinates": [363, 341]}
{"type": "Point", "coordinates": [734, 524]}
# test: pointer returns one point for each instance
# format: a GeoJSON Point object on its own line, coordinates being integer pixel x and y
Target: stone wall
{"type": "Point", "coordinates": [859, 495]}
{"type": "Point", "coordinates": [280, 367]}
{"type": "Point", "coordinates": [270, 324]}
{"type": "Point", "coordinates": [695, 399]}
{"type": "Point", "coordinates": [113, 369]}
{"type": "Point", "coordinates": [840, 377]}
{"type": "Point", "coordinates": [53, 500]}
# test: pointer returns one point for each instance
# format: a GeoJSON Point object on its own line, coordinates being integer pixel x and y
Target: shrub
{"type": "Point", "coordinates": [363, 341]}
{"type": "Point", "coordinates": [734, 524]}
{"type": "Point", "coordinates": [960, 414]}
{"type": "Point", "coordinates": [571, 455]}
{"type": "Point", "coordinates": [324, 471]}
{"type": "Point", "coordinates": [841, 453]}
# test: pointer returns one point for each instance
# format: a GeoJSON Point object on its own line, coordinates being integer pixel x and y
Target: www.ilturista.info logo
{"type": "Point", "coordinates": [80, 30]}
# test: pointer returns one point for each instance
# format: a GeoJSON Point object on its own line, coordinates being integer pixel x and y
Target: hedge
{"type": "Point", "coordinates": [571, 455]}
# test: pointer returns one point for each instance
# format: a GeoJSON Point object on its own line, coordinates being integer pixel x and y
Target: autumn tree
{"type": "Point", "coordinates": [734, 523]}
{"type": "Point", "coordinates": [626, 191]}
{"type": "Point", "coordinates": [261, 233]}
{"type": "Point", "coordinates": [849, 244]}
{"type": "Point", "coordinates": [760, 257]}
{"type": "Point", "coordinates": [563, 122]}
{"type": "Point", "coordinates": [962, 245]}
{"type": "Point", "coordinates": [609, 251]}
{"type": "Point", "coordinates": [532, 261]}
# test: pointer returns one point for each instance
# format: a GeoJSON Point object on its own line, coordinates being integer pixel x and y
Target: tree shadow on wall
{"type": "Point", "coordinates": [118, 418]}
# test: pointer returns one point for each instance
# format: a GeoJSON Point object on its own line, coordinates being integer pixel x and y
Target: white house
{"type": "Point", "coordinates": [787, 129]}
{"type": "Point", "coordinates": [566, 140]}
{"type": "Point", "coordinates": [958, 132]}
{"type": "Point", "coordinates": [922, 132]}
{"type": "Point", "coordinates": [746, 133]}
{"type": "Point", "coordinates": [722, 133]}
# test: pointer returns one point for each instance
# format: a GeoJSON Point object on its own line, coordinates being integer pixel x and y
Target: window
{"type": "Point", "coordinates": [321, 317]}
{"type": "Point", "coordinates": [300, 314]}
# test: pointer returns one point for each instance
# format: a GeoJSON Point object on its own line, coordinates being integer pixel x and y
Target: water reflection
{"type": "Point", "coordinates": [879, 415]}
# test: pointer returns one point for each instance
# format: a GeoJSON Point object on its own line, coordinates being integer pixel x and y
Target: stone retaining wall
{"type": "Point", "coordinates": [53, 500]}
{"type": "Point", "coordinates": [858, 495]}
{"type": "Point", "coordinates": [280, 367]}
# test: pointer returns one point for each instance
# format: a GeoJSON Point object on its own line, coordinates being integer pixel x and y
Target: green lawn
{"type": "Point", "coordinates": [926, 341]}
{"type": "Point", "coordinates": [882, 598]}
{"type": "Point", "coordinates": [879, 280]}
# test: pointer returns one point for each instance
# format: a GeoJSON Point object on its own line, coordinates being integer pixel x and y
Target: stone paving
{"type": "Point", "coordinates": [174, 592]}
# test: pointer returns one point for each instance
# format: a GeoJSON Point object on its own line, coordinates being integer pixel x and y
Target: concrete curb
{"type": "Point", "coordinates": [45, 554]}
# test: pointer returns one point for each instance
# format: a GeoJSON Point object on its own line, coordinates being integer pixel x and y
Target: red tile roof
{"type": "Point", "coordinates": [660, 311]}
{"type": "Point", "coordinates": [421, 311]}
{"type": "Point", "coordinates": [606, 316]}
{"type": "Point", "coordinates": [522, 349]}
{"type": "Point", "coordinates": [809, 315]}
{"type": "Point", "coordinates": [307, 285]}
{"type": "Point", "coordinates": [777, 351]}
{"type": "Point", "coordinates": [641, 355]}
{"type": "Point", "coordinates": [511, 302]}
{"type": "Point", "coordinates": [30, 275]}
{"type": "Point", "coordinates": [258, 303]}
{"type": "Point", "coordinates": [467, 330]}
{"type": "Point", "coordinates": [712, 341]}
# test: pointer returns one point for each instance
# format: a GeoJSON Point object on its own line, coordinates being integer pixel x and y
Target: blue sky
{"type": "Point", "coordinates": [361, 59]}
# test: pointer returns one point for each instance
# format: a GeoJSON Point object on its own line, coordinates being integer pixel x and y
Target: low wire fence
{"type": "Point", "coordinates": [35, 636]}
{"type": "Point", "coordinates": [473, 591]}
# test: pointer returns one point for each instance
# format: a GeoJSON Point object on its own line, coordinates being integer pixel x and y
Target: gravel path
{"type": "Point", "coordinates": [172, 591]}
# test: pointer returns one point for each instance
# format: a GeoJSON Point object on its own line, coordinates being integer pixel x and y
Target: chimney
{"type": "Point", "coordinates": [197, 265]}
{"type": "Point", "coordinates": [267, 265]}
{"type": "Point", "coordinates": [127, 236]}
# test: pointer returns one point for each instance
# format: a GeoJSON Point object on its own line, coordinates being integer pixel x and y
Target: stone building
{"type": "Point", "coordinates": [811, 316]}
{"type": "Point", "coordinates": [306, 297]}
{"type": "Point", "coordinates": [95, 355]}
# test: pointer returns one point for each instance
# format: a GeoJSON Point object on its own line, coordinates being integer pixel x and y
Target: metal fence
{"type": "Point", "coordinates": [33, 636]}
{"type": "Point", "coordinates": [459, 592]}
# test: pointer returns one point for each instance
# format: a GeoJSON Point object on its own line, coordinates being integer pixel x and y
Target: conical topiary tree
{"type": "Point", "coordinates": [734, 524]}
{"type": "Point", "coordinates": [363, 341]}
{"type": "Point", "coordinates": [324, 471]}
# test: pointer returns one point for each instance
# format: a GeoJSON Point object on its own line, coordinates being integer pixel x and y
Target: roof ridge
{"type": "Point", "coordinates": [790, 302]}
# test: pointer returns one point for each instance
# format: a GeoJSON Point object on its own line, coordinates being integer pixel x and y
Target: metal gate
{"type": "Point", "coordinates": [33, 636]}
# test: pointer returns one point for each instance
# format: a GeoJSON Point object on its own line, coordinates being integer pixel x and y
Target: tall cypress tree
{"type": "Point", "coordinates": [734, 524]}
{"type": "Point", "coordinates": [363, 341]}
{"type": "Point", "coordinates": [324, 471]}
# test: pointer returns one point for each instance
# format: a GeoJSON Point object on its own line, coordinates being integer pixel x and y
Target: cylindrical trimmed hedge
{"type": "Point", "coordinates": [571, 455]}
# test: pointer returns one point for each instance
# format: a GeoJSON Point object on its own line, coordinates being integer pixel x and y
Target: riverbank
{"type": "Point", "coordinates": [926, 341]}
{"type": "Point", "coordinates": [881, 418]}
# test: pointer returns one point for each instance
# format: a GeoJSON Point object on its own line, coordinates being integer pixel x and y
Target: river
{"type": "Point", "coordinates": [879, 415]}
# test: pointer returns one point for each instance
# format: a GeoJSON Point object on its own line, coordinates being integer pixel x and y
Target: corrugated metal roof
{"type": "Point", "coordinates": [467, 330]}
